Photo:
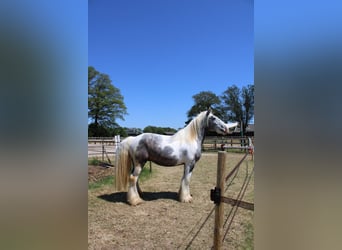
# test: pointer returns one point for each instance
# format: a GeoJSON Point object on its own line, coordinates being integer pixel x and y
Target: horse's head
{"type": "Point", "coordinates": [215, 124]}
{"type": "Point", "coordinates": [232, 125]}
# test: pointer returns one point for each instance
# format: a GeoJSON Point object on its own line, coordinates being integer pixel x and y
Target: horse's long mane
{"type": "Point", "coordinates": [193, 129]}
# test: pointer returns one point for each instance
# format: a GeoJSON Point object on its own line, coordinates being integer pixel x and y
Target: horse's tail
{"type": "Point", "coordinates": [123, 163]}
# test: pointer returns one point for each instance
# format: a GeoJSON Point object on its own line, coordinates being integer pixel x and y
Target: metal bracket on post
{"type": "Point", "coordinates": [215, 195]}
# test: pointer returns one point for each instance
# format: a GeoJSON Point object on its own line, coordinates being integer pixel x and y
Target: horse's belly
{"type": "Point", "coordinates": [168, 156]}
{"type": "Point", "coordinates": [163, 160]}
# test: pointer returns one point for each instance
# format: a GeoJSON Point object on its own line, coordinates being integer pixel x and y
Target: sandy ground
{"type": "Point", "coordinates": [161, 222]}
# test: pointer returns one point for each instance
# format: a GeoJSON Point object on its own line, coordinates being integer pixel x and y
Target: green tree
{"type": "Point", "coordinates": [203, 101]}
{"type": "Point", "coordinates": [105, 102]}
{"type": "Point", "coordinates": [92, 75]}
{"type": "Point", "coordinates": [118, 131]}
{"type": "Point", "coordinates": [159, 130]}
{"type": "Point", "coordinates": [238, 104]}
{"type": "Point", "coordinates": [98, 131]}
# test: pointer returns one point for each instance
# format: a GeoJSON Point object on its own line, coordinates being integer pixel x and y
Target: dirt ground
{"type": "Point", "coordinates": [161, 222]}
{"type": "Point", "coordinates": [97, 173]}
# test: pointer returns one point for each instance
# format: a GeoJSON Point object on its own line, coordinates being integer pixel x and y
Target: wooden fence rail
{"type": "Point", "coordinates": [210, 143]}
{"type": "Point", "coordinates": [226, 143]}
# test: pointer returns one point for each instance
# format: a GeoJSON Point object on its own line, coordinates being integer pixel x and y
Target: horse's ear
{"type": "Point", "coordinates": [209, 111]}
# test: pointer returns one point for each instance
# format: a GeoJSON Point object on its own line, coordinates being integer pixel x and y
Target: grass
{"type": "Point", "coordinates": [145, 174]}
{"type": "Point", "coordinates": [248, 244]}
{"type": "Point", "coordinates": [235, 150]}
{"type": "Point", "coordinates": [108, 180]}
{"type": "Point", "coordinates": [93, 161]}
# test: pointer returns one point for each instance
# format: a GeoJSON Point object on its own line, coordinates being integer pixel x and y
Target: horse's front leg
{"type": "Point", "coordinates": [184, 191]}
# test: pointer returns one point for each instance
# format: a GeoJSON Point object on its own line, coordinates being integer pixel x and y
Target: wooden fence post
{"type": "Point", "coordinates": [103, 150]}
{"type": "Point", "coordinates": [220, 181]}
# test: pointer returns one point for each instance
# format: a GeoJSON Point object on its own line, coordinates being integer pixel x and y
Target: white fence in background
{"type": "Point", "coordinates": [103, 147]}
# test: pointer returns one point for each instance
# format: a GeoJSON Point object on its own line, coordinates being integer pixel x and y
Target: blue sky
{"type": "Point", "coordinates": [161, 53]}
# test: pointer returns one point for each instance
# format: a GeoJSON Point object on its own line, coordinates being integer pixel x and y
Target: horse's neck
{"type": "Point", "coordinates": [196, 130]}
{"type": "Point", "coordinates": [202, 136]}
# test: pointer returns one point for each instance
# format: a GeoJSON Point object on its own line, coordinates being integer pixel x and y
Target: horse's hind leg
{"type": "Point", "coordinates": [133, 197]}
{"type": "Point", "coordinates": [139, 189]}
{"type": "Point", "coordinates": [140, 192]}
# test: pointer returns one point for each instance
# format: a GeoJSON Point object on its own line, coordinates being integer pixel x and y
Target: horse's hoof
{"type": "Point", "coordinates": [187, 199]}
{"type": "Point", "coordinates": [135, 202]}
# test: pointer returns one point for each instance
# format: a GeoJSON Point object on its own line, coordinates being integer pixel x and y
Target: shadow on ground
{"type": "Point", "coordinates": [147, 196]}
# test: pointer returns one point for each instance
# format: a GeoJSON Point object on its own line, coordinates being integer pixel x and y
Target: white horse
{"type": "Point", "coordinates": [182, 148]}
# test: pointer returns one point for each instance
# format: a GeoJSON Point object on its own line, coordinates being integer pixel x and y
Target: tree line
{"type": "Point", "coordinates": [106, 105]}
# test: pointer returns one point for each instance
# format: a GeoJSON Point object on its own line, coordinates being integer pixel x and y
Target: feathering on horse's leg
{"type": "Point", "coordinates": [184, 191]}
{"type": "Point", "coordinates": [133, 197]}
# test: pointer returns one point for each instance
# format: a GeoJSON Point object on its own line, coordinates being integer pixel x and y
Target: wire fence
{"type": "Point", "coordinates": [219, 199]}
{"type": "Point", "coordinates": [228, 217]}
